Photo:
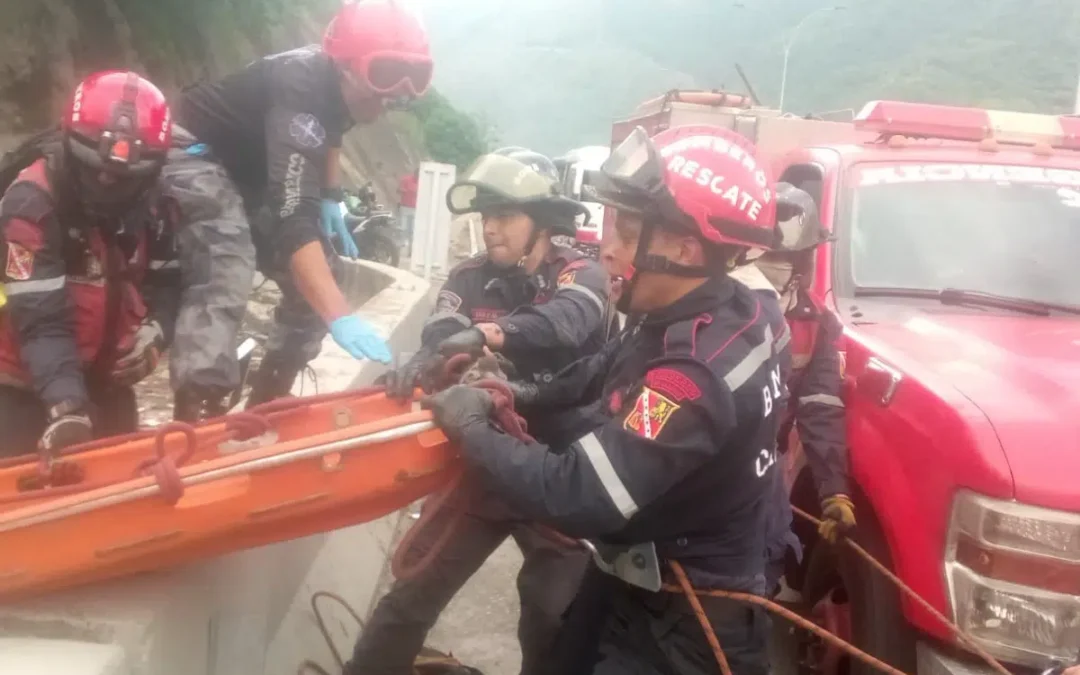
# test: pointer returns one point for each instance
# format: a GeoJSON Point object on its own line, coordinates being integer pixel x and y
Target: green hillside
{"type": "Point", "coordinates": [554, 73]}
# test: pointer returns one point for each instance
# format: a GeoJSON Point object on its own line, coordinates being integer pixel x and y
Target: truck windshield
{"type": "Point", "coordinates": [1006, 230]}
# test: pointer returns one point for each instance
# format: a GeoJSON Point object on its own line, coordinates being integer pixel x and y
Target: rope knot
{"type": "Point", "coordinates": [164, 468]}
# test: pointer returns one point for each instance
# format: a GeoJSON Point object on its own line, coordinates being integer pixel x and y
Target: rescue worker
{"type": "Point", "coordinates": [91, 300]}
{"type": "Point", "coordinates": [816, 409]}
{"type": "Point", "coordinates": [542, 307]}
{"type": "Point", "coordinates": [680, 468]}
{"type": "Point", "coordinates": [277, 128]}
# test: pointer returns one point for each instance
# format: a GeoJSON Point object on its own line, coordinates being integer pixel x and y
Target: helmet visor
{"type": "Point", "coordinates": [800, 233]}
{"type": "Point", "coordinates": [798, 226]}
{"type": "Point", "coordinates": [634, 165]}
{"type": "Point", "coordinates": [495, 180]}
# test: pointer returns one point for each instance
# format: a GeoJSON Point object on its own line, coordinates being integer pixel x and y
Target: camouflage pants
{"type": "Point", "coordinates": [217, 262]}
{"type": "Point", "coordinates": [298, 331]}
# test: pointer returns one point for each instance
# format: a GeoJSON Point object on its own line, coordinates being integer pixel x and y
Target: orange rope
{"type": "Point", "coordinates": [994, 664]}
{"type": "Point", "coordinates": [692, 595]}
{"type": "Point", "coordinates": [747, 598]}
{"type": "Point", "coordinates": [702, 617]}
{"type": "Point", "coordinates": [504, 412]}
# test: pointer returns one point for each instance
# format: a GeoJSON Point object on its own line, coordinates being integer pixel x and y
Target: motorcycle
{"type": "Point", "coordinates": [374, 228]}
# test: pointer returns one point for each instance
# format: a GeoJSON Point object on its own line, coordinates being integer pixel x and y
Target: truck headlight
{"type": "Point", "coordinates": [1014, 578]}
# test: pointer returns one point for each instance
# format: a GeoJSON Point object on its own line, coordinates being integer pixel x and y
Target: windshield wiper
{"type": "Point", "coordinates": [959, 296]}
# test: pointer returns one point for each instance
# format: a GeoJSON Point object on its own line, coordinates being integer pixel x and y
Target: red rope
{"type": "Point", "coordinates": [504, 413]}
{"type": "Point", "coordinates": [163, 467]}
{"type": "Point", "coordinates": [457, 495]}
{"type": "Point", "coordinates": [62, 479]}
{"type": "Point", "coordinates": [293, 402]}
{"type": "Point", "coordinates": [247, 425]}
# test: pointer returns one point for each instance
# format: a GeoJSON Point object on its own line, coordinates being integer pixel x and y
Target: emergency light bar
{"type": "Point", "coordinates": [924, 120]}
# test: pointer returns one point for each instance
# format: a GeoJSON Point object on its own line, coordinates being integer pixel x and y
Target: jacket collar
{"type": "Point", "coordinates": [706, 298]}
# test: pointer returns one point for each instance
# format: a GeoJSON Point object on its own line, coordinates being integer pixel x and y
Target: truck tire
{"type": "Point", "coordinates": [877, 620]}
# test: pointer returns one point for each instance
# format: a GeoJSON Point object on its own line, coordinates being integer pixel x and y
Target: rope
{"type": "Point", "coordinates": [163, 467]}
{"type": "Point", "coordinates": [428, 657]}
{"type": "Point", "coordinates": [292, 402]}
{"type": "Point", "coordinates": [693, 594]}
{"type": "Point", "coordinates": [309, 371]}
{"type": "Point", "coordinates": [960, 635]}
{"type": "Point", "coordinates": [247, 425]}
{"type": "Point", "coordinates": [453, 497]}
{"type": "Point", "coordinates": [457, 494]}
{"type": "Point", "coordinates": [321, 622]}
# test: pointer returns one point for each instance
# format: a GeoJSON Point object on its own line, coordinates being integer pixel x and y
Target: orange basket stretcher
{"type": "Point", "coordinates": [182, 493]}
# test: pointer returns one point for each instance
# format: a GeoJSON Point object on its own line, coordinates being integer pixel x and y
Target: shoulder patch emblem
{"type": "Point", "coordinates": [673, 383]}
{"type": "Point", "coordinates": [20, 262]}
{"type": "Point", "coordinates": [650, 413]}
{"type": "Point", "coordinates": [447, 302]}
{"type": "Point", "coordinates": [566, 278]}
{"type": "Point", "coordinates": [306, 130]}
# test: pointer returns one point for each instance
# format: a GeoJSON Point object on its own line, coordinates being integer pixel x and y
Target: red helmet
{"type": "Point", "coordinates": [382, 44]}
{"type": "Point", "coordinates": [116, 130]}
{"type": "Point", "coordinates": [704, 178]}
{"type": "Point", "coordinates": [120, 121]}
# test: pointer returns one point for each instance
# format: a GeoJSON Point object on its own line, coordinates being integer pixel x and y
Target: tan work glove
{"type": "Point", "coordinates": [837, 517]}
{"type": "Point", "coordinates": [143, 358]}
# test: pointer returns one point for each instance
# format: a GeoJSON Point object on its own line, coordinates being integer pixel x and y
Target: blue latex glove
{"type": "Point", "coordinates": [357, 337]}
{"type": "Point", "coordinates": [333, 221]}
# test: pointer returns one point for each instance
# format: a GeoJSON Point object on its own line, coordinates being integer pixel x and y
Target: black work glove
{"type": "Point", "coordinates": [470, 341]}
{"type": "Point", "coordinates": [525, 393]}
{"type": "Point", "coordinates": [68, 425]}
{"type": "Point", "coordinates": [143, 358]}
{"type": "Point", "coordinates": [401, 381]}
{"type": "Point", "coordinates": [457, 407]}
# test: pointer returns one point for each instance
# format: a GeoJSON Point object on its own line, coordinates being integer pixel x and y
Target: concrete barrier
{"type": "Point", "coordinates": [244, 613]}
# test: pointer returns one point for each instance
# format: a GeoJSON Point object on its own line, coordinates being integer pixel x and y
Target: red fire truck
{"type": "Point", "coordinates": [953, 268]}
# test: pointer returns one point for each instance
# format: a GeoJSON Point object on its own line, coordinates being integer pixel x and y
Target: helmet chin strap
{"type": "Point", "coordinates": [534, 236]}
{"type": "Point", "coordinates": [648, 262]}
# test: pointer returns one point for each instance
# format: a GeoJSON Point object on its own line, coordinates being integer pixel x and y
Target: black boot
{"type": "Point", "coordinates": [192, 407]}
{"type": "Point", "coordinates": [273, 380]}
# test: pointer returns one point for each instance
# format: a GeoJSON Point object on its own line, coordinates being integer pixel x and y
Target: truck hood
{"type": "Point", "coordinates": [1022, 372]}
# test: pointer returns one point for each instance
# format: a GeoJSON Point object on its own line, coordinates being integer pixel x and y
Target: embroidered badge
{"type": "Point", "coordinates": [673, 383]}
{"type": "Point", "coordinates": [20, 262]}
{"type": "Point", "coordinates": [650, 413]}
